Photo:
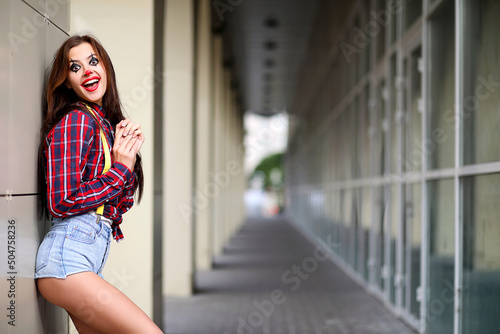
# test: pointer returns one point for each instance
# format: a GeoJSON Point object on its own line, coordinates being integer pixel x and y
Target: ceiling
{"type": "Point", "coordinates": [265, 43]}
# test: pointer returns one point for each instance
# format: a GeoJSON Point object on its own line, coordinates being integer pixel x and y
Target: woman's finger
{"type": "Point", "coordinates": [121, 127]}
{"type": "Point", "coordinates": [138, 133]}
{"type": "Point", "coordinates": [125, 126]}
{"type": "Point", "coordinates": [129, 128]}
{"type": "Point", "coordinates": [124, 122]}
{"type": "Point", "coordinates": [130, 143]}
{"type": "Point", "coordinates": [122, 142]}
{"type": "Point", "coordinates": [137, 146]}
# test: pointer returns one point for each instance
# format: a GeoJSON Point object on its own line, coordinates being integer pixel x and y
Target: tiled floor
{"type": "Point", "coordinates": [270, 279]}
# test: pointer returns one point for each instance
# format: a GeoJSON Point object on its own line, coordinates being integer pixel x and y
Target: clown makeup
{"type": "Point", "coordinates": [87, 77]}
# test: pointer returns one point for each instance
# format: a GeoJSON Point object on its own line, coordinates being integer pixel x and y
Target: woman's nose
{"type": "Point", "coordinates": [87, 72]}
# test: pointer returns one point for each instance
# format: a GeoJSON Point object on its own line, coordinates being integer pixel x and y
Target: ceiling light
{"type": "Point", "coordinates": [268, 77]}
{"type": "Point", "coordinates": [269, 63]}
{"type": "Point", "coordinates": [270, 45]}
{"type": "Point", "coordinates": [271, 22]}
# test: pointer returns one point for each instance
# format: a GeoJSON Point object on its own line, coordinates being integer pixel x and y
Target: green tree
{"type": "Point", "coordinates": [267, 165]}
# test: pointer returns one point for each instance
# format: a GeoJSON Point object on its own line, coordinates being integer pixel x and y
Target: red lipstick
{"type": "Point", "coordinates": [94, 86]}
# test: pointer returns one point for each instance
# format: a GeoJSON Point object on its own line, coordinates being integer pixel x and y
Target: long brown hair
{"type": "Point", "coordinates": [58, 100]}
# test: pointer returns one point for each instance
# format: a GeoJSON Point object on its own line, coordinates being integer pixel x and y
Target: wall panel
{"type": "Point", "coordinates": [24, 36]}
{"type": "Point", "coordinates": [26, 75]}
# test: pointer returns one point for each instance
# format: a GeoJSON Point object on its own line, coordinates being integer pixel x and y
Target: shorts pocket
{"type": "Point", "coordinates": [42, 256]}
{"type": "Point", "coordinates": [83, 231]}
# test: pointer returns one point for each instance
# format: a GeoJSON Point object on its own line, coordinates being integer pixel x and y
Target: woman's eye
{"type": "Point", "coordinates": [74, 67]}
{"type": "Point", "coordinates": [94, 61]}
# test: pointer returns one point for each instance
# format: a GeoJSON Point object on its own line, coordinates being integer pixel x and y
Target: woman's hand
{"type": "Point", "coordinates": [128, 142]}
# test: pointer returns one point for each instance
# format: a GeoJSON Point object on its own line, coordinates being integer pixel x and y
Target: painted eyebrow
{"type": "Point", "coordinates": [77, 61]}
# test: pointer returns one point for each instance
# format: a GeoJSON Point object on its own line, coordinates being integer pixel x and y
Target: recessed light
{"type": "Point", "coordinates": [271, 22]}
{"type": "Point", "coordinates": [227, 63]}
{"type": "Point", "coordinates": [270, 45]}
{"type": "Point", "coordinates": [269, 63]}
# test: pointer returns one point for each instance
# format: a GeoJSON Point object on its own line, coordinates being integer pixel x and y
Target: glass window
{"type": "Point", "coordinates": [343, 77]}
{"type": "Point", "coordinates": [351, 130]}
{"type": "Point", "coordinates": [441, 257]}
{"type": "Point", "coordinates": [379, 259]}
{"type": "Point", "coordinates": [481, 101]}
{"type": "Point", "coordinates": [381, 157]}
{"type": "Point", "coordinates": [337, 220]}
{"type": "Point", "coordinates": [346, 228]}
{"type": "Point", "coordinates": [366, 220]}
{"type": "Point", "coordinates": [354, 229]}
{"type": "Point", "coordinates": [412, 11]}
{"type": "Point", "coordinates": [413, 241]}
{"type": "Point", "coordinates": [393, 122]}
{"type": "Point", "coordinates": [379, 28]}
{"type": "Point", "coordinates": [352, 65]}
{"type": "Point", "coordinates": [364, 55]}
{"type": "Point", "coordinates": [393, 242]}
{"type": "Point", "coordinates": [363, 152]}
{"type": "Point", "coordinates": [440, 137]}
{"type": "Point", "coordinates": [481, 267]}
{"type": "Point", "coordinates": [413, 133]}
{"type": "Point", "coordinates": [337, 152]}
{"type": "Point", "coordinates": [395, 7]}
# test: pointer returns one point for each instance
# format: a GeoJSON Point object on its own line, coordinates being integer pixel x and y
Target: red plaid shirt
{"type": "Point", "coordinates": [74, 161]}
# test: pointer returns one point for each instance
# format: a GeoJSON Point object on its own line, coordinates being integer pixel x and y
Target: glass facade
{"type": "Point", "coordinates": [413, 247]}
{"type": "Point", "coordinates": [440, 137]}
{"type": "Point", "coordinates": [481, 261]}
{"type": "Point", "coordinates": [481, 83]}
{"type": "Point", "coordinates": [412, 160]}
{"type": "Point", "coordinates": [441, 265]}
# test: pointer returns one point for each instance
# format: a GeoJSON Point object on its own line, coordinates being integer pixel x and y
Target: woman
{"type": "Point", "coordinates": [87, 190]}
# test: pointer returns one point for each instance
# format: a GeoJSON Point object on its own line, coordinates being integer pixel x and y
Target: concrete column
{"type": "Point", "coordinates": [225, 148]}
{"type": "Point", "coordinates": [178, 145]}
{"type": "Point", "coordinates": [204, 129]}
{"type": "Point", "coordinates": [217, 216]}
{"type": "Point", "coordinates": [233, 192]}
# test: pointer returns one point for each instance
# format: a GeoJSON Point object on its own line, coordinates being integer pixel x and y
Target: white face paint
{"type": "Point", "coordinates": [87, 76]}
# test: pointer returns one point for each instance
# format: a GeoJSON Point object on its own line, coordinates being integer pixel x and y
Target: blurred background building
{"type": "Point", "coordinates": [391, 110]}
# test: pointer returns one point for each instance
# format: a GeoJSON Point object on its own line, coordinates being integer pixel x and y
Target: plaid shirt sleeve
{"type": "Point", "coordinates": [67, 149]}
{"type": "Point", "coordinates": [119, 206]}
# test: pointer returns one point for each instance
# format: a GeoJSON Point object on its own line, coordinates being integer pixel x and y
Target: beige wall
{"type": "Point", "coordinates": [125, 28]}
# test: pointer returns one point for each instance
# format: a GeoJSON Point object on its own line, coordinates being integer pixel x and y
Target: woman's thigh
{"type": "Point", "coordinates": [96, 303]}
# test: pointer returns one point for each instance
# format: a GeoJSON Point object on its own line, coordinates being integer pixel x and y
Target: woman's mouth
{"type": "Point", "coordinates": [91, 84]}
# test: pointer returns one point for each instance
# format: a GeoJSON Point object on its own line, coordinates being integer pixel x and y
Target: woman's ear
{"type": "Point", "coordinates": [66, 83]}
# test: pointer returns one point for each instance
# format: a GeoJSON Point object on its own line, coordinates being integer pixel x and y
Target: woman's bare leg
{"type": "Point", "coordinates": [96, 304]}
{"type": "Point", "coordinates": [81, 327]}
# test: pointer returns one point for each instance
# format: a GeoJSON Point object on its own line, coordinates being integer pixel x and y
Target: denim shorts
{"type": "Point", "coordinates": [73, 245]}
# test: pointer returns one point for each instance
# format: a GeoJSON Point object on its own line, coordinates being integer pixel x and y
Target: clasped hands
{"type": "Point", "coordinates": [128, 141]}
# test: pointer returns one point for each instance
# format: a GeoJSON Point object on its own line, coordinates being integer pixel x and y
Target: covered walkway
{"type": "Point", "coordinates": [271, 279]}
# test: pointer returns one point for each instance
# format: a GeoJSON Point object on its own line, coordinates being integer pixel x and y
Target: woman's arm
{"type": "Point", "coordinates": [121, 204]}
{"type": "Point", "coordinates": [67, 156]}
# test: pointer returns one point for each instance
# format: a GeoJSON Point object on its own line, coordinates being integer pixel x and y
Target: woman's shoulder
{"type": "Point", "coordinates": [75, 118]}
{"type": "Point", "coordinates": [76, 114]}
